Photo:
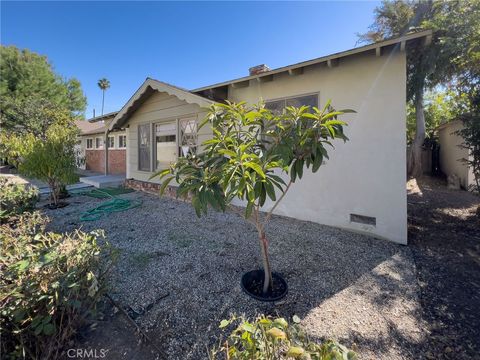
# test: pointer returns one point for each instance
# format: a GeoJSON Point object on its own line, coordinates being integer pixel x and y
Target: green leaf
{"type": "Point", "coordinates": [165, 184]}
{"type": "Point", "coordinates": [224, 323]}
{"type": "Point", "coordinates": [295, 352]}
{"type": "Point", "coordinates": [293, 172]}
{"type": "Point", "coordinates": [197, 206]}
{"type": "Point", "coordinates": [257, 168]}
{"type": "Point", "coordinates": [270, 190]}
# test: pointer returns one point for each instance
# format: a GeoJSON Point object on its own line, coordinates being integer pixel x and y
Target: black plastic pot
{"type": "Point", "coordinates": [252, 285]}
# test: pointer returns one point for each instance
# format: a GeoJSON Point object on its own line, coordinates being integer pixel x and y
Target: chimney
{"type": "Point", "coordinates": [259, 69]}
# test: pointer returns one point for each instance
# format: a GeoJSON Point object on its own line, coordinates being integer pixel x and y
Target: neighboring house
{"type": "Point", "coordinates": [452, 152]}
{"type": "Point", "coordinates": [361, 187]}
{"type": "Point", "coordinates": [92, 145]}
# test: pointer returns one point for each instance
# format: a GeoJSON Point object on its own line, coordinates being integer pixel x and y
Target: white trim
{"type": "Point", "coordinates": [159, 86]}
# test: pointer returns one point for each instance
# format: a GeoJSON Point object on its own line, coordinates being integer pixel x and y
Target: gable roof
{"type": "Point", "coordinates": [86, 127]}
{"type": "Point", "coordinates": [145, 90]}
{"type": "Point", "coordinates": [426, 34]}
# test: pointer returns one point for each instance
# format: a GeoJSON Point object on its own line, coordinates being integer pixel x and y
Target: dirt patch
{"type": "Point", "coordinates": [444, 235]}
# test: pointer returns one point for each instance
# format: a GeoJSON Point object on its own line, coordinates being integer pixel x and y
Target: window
{"type": "Point", "coordinates": [277, 106]}
{"type": "Point", "coordinates": [89, 143]}
{"type": "Point", "coordinates": [144, 147]}
{"type": "Point", "coordinates": [165, 143]}
{"type": "Point", "coordinates": [122, 141]}
{"type": "Point", "coordinates": [188, 137]}
{"type": "Point", "coordinates": [98, 143]}
{"type": "Point", "coordinates": [111, 142]}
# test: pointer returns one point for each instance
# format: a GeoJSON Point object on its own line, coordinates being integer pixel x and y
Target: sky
{"type": "Point", "coordinates": [188, 44]}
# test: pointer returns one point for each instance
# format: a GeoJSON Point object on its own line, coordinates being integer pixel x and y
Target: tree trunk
{"type": "Point", "coordinates": [415, 161]}
{"type": "Point", "coordinates": [103, 99]}
{"type": "Point", "coordinates": [267, 282]}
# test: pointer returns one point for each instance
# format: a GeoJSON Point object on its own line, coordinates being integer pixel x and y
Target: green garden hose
{"type": "Point", "coordinates": [108, 207]}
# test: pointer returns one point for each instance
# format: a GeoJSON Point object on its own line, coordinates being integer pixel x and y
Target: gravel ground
{"type": "Point", "coordinates": [186, 272]}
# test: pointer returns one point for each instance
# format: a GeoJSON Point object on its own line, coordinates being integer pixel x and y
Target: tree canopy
{"type": "Point", "coordinates": [28, 82]}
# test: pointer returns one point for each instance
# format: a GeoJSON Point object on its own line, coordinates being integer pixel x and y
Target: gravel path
{"type": "Point", "coordinates": [354, 288]}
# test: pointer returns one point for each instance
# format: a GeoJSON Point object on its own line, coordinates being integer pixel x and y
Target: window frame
{"type": "Point", "coordinates": [102, 145]}
{"type": "Point", "coordinates": [91, 145]}
{"type": "Point", "coordinates": [284, 99]}
{"type": "Point", "coordinates": [149, 137]}
{"type": "Point", "coordinates": [175, 133]}
{"type": "Point", "coordinates": [111, 137]}
{"type": "Point", "coordinates": [120, 145]}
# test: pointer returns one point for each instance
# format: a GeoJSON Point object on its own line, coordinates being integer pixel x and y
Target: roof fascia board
{"type": "Point", "coordinates": [160, 86]}
{"type": "Point", "coordinates": [426, 33]}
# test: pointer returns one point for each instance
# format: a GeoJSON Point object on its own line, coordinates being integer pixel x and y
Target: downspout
{"type": "Point", "coordinates": [107, 131]}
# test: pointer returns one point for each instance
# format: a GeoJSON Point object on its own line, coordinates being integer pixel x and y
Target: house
{"type": "Point", "coordinates": [360, 188]}
{"type": "Point", "coordinates": [452, 153]}
{"type": "Point", "coordinates": [92, 146]}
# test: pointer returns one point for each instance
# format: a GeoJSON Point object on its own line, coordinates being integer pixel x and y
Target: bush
{"type": "Point", "coordinates": [274, 339]}
{"type": "Point", "coordinates": [49, 288]}
{"type": "Point", "coordinates": [15, 199]}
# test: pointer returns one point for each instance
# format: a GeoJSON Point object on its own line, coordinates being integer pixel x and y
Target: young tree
{"type": "Point", "coordinates": [103, 84]}
{"type": "Point", "coordinates": [28, 82]}
{"type": "Point", "coordinates": [244, 160]}
{"type": "Point", "coordinates": [51, 159]}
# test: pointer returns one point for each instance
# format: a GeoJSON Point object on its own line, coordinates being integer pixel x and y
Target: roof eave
{"type": "Point", "coordinates": [160, 86]}
{"type": "Point", "coordinates": [378, 45]}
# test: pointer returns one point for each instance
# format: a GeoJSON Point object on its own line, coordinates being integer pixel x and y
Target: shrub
{"type": "Point", "coordinates": [50, 158]}
{"type": "Point", "coordinates": [274, 339]}
{"type": "Point", "coordinates": [15, 199]}
{"type": "Point", "coordinates": [50, 286]}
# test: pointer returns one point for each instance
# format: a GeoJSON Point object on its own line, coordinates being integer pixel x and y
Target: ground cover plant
{"type": "Point", "coordinates": [250, 148]}
{"type": "Point", "coordinates": [15, 199]}
{"type": "Point", "coordinates": [50, 286]}
{"type": "Point", "coordinates": [268, 338]}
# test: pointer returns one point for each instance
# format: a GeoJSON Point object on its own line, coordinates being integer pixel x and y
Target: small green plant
{"type": "Point", "coordinates": [268, 338]}
{"type": "Point", "coordinates": [15, 199]}
{"type": "Point", "coordinates": [49, 288]}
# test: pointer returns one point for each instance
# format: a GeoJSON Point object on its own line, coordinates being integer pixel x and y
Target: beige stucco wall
{"type": "Point", "coordinates": [159, 107]}
{"type": "Point", "coordinates": [451, 152]}
{"type": "Point", "coordinates": [366, 175]}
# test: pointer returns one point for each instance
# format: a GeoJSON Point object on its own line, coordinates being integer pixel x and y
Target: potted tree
{"type": "Point", "coordinates": [250, 149]}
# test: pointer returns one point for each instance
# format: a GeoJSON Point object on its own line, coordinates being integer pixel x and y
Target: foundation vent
{"type": "Point", "coordinates": [362, 219]}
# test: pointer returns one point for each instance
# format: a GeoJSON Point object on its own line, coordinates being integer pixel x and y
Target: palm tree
{"type": "Point", "coordinates": [103, 84]}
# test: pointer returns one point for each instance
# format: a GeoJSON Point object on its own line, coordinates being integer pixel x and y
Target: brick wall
{"type": "Point", "coordinates": [153, 188]}
{"type": "Point", "coordinates": [95, 161]}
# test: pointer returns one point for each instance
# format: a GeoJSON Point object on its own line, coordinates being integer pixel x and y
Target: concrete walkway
{"type": "Point", "coordinates": [104, 181]}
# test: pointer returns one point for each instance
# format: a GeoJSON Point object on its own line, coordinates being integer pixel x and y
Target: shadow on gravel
{"type": "Point", "coordinates": [444, 233]}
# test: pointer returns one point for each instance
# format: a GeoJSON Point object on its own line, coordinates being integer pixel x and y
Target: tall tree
{"type": "Point", "coordinates": [28, 82]}
{"type": "Point", "coordinates": [452, 56]}
{"type": "Point", "coordinates": [103, 84]}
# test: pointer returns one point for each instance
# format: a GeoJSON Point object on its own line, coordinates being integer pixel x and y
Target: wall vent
{"type": "Point", "coordinates": [362, 219]}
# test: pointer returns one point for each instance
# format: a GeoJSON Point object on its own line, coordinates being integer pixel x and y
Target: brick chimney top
{"type": "Point", "coordinates": [258, 69]}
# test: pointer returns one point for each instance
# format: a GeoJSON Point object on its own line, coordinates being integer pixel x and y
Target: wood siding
{"type": "Point", "coordinates": [158, 108]}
